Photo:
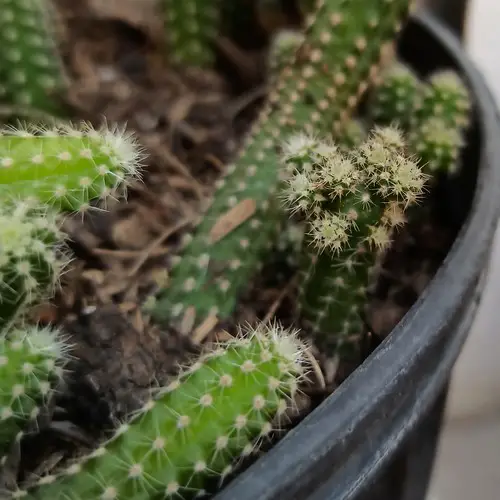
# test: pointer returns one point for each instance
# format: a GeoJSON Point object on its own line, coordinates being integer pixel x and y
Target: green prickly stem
{"type": "Point", "coordinates": [395, 99]}
{"type": "Point", "coordinates": [194, 430]}
{"type": "Point", "coordinates": [31, 361]}
{"type": "Point", "coordinates": [437, 145]}
{"type": "Point", "coordinates": [343, 47]}
{"type": "Point", "coordinates": [66, 167]}
{"type": "Point", "coordinates": [191, 27]}
{"type": "Point", "coordinates": [31, 69]}
{"type": "Point", "coordinates": [30, 257]}
{"type": "Point", "coordinates": [445, 96]}
{"type": "Point", "coordinates": [352, 203]}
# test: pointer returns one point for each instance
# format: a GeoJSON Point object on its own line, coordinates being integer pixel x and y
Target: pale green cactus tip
{"type": "Point", "coordinates": [437, 145]}
{"type": "Point", "coordinates": [33, 256]}
{"type": "Point", "coordinates": [67, 166]}
{"type": "Point", "coordinates": [217, 411]}
{"type": "Point", "coordinates": [32, 360]}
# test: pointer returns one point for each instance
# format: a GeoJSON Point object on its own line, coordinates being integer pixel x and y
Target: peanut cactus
{"type": "Point", "coordinates": [66, 167]}
{"type": "Point", "coordinates": [395, 99]}
{"type": "Point", "coordinates": [191, 27]}
{"type": "Point", "coordinates": [344, 41]}
{"type": "Point", "coordinates": [31, 69]}
{"type": "Point", "coordinates": [31, 361]}
{"type": "Point", "coordinates": [351, 202]}
{"type": "Point", "coordinates": [195, 429]}
{"type": "Point", "coordinates": [31, 259]}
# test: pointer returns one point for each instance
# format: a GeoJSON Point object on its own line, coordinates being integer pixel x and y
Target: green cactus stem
{"type": "Point", "coordinates": [191, 27]}
{"type": "Point", "coordinates": [352, 203]}
{"type": "Point", "coordinates": [31, 361]}
{"type": "Point", "coordinates": [66, 167]}
{"type": "Point", "coordinates": [30, 66]}
{"type": "Point", "coordinates": [445, 96]}
{"type": "Point", "coordinates": [395, 99]}
{"type": "Point", "coordinates": [31, 257]}
{"type": "Point", "coordinates": [437, 145]}
{"type": "Point", "coordinates": [344, 40]}
{"type": "Point", "coordinates": [196, 429]}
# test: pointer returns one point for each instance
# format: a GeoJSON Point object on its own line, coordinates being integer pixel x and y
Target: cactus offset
{"type": "Point", "coordinates": [30, 257]}
{"type": "Point", "coordinates": [30, 66]}
{"type": "Point", "coordinates": [344, 42]}
{"type": "Point", "coordinates": [31, 361]}
{"type": "Point", "coordinates": [191, 27]}
{"type": "Point", "coordinates": [351, 202]}
{"type": "Point", "coordinates": [66, 167]}
{"type": "Point", "coordinates": [196, 429]}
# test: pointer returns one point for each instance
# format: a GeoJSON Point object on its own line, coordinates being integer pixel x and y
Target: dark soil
{"type": "Point", "coordinates": [190, 122]}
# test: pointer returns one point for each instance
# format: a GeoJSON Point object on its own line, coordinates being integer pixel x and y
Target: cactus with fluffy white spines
{"type": "Point", "coordinates": [194, 430]}
{"type": "Point", "coordinates": [31, 68]}
{"type": "Point", "coordinates": [191, 27]}
{"type": "Point", "coordinates": [344, 41]}
{"type": "Point", "coordinates": [395, 99]}
{"type": "Point", "coordinates": [351, 202]}
{"type": "Point", "coordinates": [31, 257]}
{"type": "Point", "coordinates": [31, 362]}
{"type": "Point", "coordinates": [66, 167]}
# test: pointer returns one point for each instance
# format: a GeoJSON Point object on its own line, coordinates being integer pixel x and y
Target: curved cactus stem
{"type": "Point", "coordinates": [31, 69]}
{"type": "Point", "coordinates": [195, 429]}
{"type": "Point", "coordinates": [65, 167]}
{"type": "Point", "coordinates": [31, 361]}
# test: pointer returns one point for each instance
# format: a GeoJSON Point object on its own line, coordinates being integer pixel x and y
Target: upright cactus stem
{"type": "Point", "coordinates": [394, 100]}
{"type": "Point", "coordinates": [191, 27]}
{"type": "Point", "coordinates": [351, 202]}
{"type": "Point", "coordinates": [30, 264]}
{"type": "Point", "coordinates": [30, 363]}
{"type": "Point", "coordinates": [196, 429]}
{"type": "Point", "coordinates": [66, 167]}
{"type": "Point", "coordinates": [30, 66]}
{"type": "Point", "coordinates": [344, 40]}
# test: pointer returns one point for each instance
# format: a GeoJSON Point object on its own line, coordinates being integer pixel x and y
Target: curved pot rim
{"type": "Point", "coordinates": [343, 416]}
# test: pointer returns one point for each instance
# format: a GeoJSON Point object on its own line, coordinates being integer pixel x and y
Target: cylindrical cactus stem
{"type": "Point", "coordinates": [31, 257]}
{"type": "Point", "coordinates": [351, 202]}
{"type": "Point", "coordinates": [66, 167]}
{"type": "Point", "coordinates": [30, 65]}
{"type": "Point", "coordinates": [191, 27]}
{"type": "Point", "coordinates": [31, 361]}
{"type": "Point", "coordinates": [196, 429]}
{"type": "Point", "coordinates": [437, 145]}
{"type": "Point", "coordinates": [394, 100]}
{"type": "Point", "coordinates": [323, 85]}
{"type": "Point", "coordinates": [445, 96]}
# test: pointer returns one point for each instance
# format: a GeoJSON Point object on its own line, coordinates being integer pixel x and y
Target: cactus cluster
{"type": "Point", "coordinates": [193, 430]}
{"type": "Point", "coordinates": [434, 113]}
{"type": "Point", "coordinates": [351, 203]}
{"type": "Point", "coordinates": [315, 92]}
{"type": "Point", "coordinates": [31, 70]}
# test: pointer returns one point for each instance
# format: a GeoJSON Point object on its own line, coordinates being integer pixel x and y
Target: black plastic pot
{"type": "Point", "coordinates": [375, 437]}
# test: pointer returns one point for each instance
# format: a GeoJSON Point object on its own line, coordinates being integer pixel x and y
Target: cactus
{"type": "Point", "coordinates": [352, 134]}
{"type": "Point", "coordinates": [394, 100]}
{"type": "Point", "coordinates": [283, 49]}
{"type": "Point", "coordinates": [30, 66]}
{"type": "Point", "coordinates": [445, 96]}
{"type": "Point", "coordinates": [344, 40]}
{"type": "Point", "coordinates": [191, 27]}
{"type": "Point", "coordinates": [66, 167]}
{"type": "Point", "coordinates": [31, 361]}
{"type": "Point", "coordinates": [352, 202]}
{"type": "Point", "coordinates": [30, 257]}
{"type": "Point", "coordinates": [213, 414]}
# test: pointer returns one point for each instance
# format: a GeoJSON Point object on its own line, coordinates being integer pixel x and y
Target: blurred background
{"type": "Point", "coordinates": [468, 461]}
